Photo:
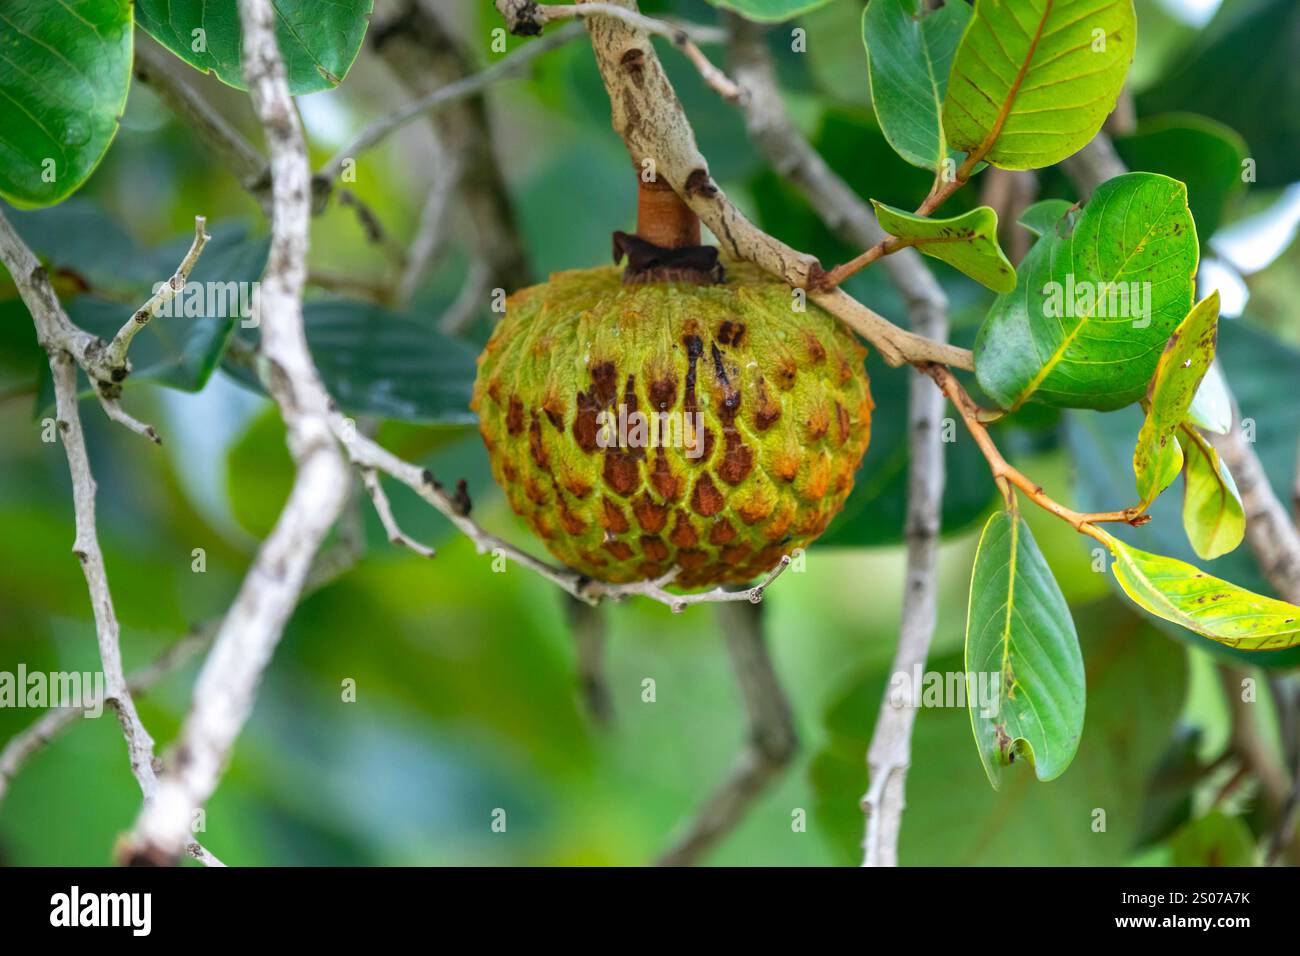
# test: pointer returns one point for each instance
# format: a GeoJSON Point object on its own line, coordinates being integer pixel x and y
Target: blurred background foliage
{"type": "Point", "coordinates": [467, 697]}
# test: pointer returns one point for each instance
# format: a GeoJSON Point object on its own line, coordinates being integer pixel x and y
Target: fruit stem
{"type": "Point", "coordinates": [662, 218]}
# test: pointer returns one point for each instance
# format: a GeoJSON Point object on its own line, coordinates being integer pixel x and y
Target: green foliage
{"type": "Point", "coordinates": [910, 49]}
{"type": "Point", "coordinates": [64, 73]}
{"type": "Point", "coordinates": [1202, 603]}
{"type": "Point", "coordinates": [954, 818]}
{"type": "Point", "coordinates": [1242, 72]}
{"type": "Point", "coordinates": [769, 11]}
{"type": "Point", "coordinates": [379, 363]}
{"type": "Point", "coordinates": [1197, 151]}
{"type": "Point", "coordinates": [1020, 633]}
{"type": "Point", "coordinates": [1158, 458]}
{"type": "Point", "coordinates": [1072, 333]}
{"type": "Point", "coordinates": [319, 41]}
{"type": "Point", "coordinates": [1216, 839]}
{"type": "Point", "coordinates": [1033, 80]}
{"type": "Point", "coordinates": [1212, 511]}
{"type": "Point", "coordinates": [968, 243]}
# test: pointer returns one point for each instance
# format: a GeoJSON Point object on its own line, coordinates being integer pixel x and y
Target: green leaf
{"type": "Point", "coordinates": [381, 363]}
{"type": "Point", "coordinates": [1202, 603]}
{"type": "Point", "coordinates": [1047, 216]}
{"type": "Point", "coordinates": [1196, 150]}
{"type": "Point", "coordinates": [1135, 682]}
{"type": "Point", "coordinates": [1021, 642]}
{"type": "Point", "coordinates": [1095, 300]}
{"type": "Point", "coordinates": [1256, 47]}
{"type": "Point", "coordinates": [1033, 80]}
{"type": "Point", "coordinates": [319, 41]}
{"type": "Point", "coordinates": [769, 11]}
{"type": "Point", "coordinates": [968, 243]}
{"type": "Point", "coordinates": [64, 72]}
{"type": "Point", "coordinates": [909, 53]}
{"type": "Point", "coordinates": [1212, 404]}
{"type": "Point", "coordinates": [1157, 459]}
{"type": "Point", "coordinates": [1214, 840]}
{"type": "Point", "coordinates": [1212, 511]}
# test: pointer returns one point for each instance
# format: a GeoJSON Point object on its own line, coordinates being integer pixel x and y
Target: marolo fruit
{"type": "Point", "coordinates": [643, 427]}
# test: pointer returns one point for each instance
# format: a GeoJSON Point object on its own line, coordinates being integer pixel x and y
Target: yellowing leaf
{"type": "Point", "coordinates": [1202, 603]}
{"type": "Point", "coordinates": [1033, 80]}
{"type": "Point", "coordinates": [1157, 459]}
{"type": "Point", "coordinates": [1212, 512]}
{"type": "Point", "coordinates": [968, 243]}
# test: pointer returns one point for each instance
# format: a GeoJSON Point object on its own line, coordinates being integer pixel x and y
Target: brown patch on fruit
{"type": "Point", "coordinates": [619, 549]}
{"type": "Point", "coordinates": [663, 393]}
{"type": "Point", "coordinates": [731, 333]}
{"type": "Point", "coordinates": [819, 422]}
{"type": "Point", "coordinates": [694, 349]}
{"type": "Point", "coordinates": [683, 534]}
{"type": "Point", "coordinates": [494, 390]}
{"type": "Point", "coordinates": [569, 521]}
{"type": "Point", "coordinates": [721, 532]}
{"type": "Point", "coordinates": [786, 373]}
{"type": "Point", "coordinates": [651, 517]}
{"type": "Point", "coordinates": [600, 396]}
{"type": "Point", "coordinates": [691, 558]}
{"type": "Point", "coordinates": [842, 419]}
{"type": "Point", "coordinates": [706, 500]}
{"type": "Point", "coordinates": [554, 408]}
{"type": "Point", "coordinates": [621, 470]}
{"type": "Point", "coordinates": [534, 492]}
{"type": "Point", "coordinates": [613, 518]}
{"type": "Point", "coordinates": [663, 479]}
{"type": "Point", "coordinates": [737, 461]}
{"type": "Point", "coordinates": [535, 446]}
{"type": "Point", "coordinates": [591, 557]}
{"type": "Point", "coordinates": [816, 351]}
{"type": "Point", "coordinates": [653, 547]}
{"type": "Point", "coordinates": [515, 416]}
{"type": "Point", "coordinates": [510, 471]}
{"type": "Point", "coordinates": [768, 410]}
{"type": "Point", "coordinates": [736, 554]}
{"type": "Point", "coordinates": [575, 486]}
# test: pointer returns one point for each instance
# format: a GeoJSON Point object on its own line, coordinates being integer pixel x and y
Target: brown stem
{"type": "Point", "coordinates": [662, 218]}
{"type": "Point", "coordinates": [1007, 475]}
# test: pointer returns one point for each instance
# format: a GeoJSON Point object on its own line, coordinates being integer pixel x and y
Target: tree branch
{"type": "Point", "coordinates": [223, 695]}
{"type": "Point", "coordinates": [382, 128]}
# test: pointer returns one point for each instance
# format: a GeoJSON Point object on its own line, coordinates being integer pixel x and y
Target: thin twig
{"type": "Point", "coordinates": [115, 351]}
{"type": "Point", "coordinates": [587, 625]}
{"type": "Point", "coordinates": [1006, 474]}
{"type": "Point", "coordinates": [385, 511]}
{"type": "Point", "coordinates": [526, 18]}
{"type": "Point", "coordinates": [382, 128]}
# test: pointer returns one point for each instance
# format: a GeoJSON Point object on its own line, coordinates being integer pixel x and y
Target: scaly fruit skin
{"type": "Point", "coordinates": [782, 395]}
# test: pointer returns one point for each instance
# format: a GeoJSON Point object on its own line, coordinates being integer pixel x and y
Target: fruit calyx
{"type": "Point", "coordinates": [666, 246]}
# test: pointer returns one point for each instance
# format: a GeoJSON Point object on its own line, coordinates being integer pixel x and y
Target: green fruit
{"type": "Point", "coordinates": [781, 395]}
